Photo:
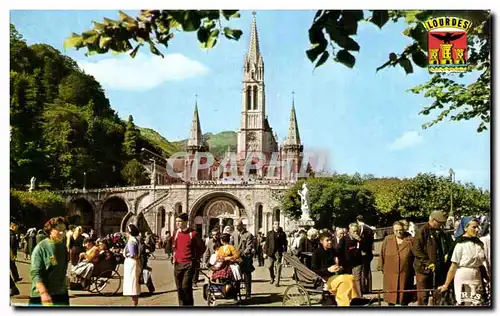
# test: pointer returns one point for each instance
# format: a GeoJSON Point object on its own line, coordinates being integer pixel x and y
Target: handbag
{"type": "Point", "coordinates": [145, 275]}
{"type": "Point", "coordinates": [445, 299]}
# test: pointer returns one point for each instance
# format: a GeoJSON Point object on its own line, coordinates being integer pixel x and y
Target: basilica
{"type": "Point", "coordinates": [256, 140]}
{"type": "Point", "coordinates": [216, 196]}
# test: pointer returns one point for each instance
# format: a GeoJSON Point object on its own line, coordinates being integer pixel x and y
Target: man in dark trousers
{"type": "Point", "coordinates": [430, 248]}
{"type": "Point", "coordinates": [188, 249]}
{"type": "Point", "coordinates": [353, 263]}
{"type": "Point", "coordinates": [367, 239]}
{"type": "Point", "coordinates": [148, 247]}
{"type": "Point", "coordinates": [274, 247]}
{"type": "Point", "coordinates": [259, 242]}
{"type": "Point", "coordinates": [14, 244]}
{"type": "Point", "coordinates": [243, 243]}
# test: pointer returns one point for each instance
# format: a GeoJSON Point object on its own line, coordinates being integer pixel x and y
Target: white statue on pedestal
{"type": "Point", "coordinates": [32, 184]}
{"type": "Point", "coordinates": [304, 199]}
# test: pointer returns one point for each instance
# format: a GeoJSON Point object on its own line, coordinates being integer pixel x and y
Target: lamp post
{"type": "Point", "coordinates": [452, 177]}
{"type": "Point", "coordinates": [153, 179]}
{"type": "Point", "coordinates": [84, 182]}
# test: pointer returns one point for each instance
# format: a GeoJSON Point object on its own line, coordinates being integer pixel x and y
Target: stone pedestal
{"type": "Point", "coordinates": [305, 224]}
{"type": "Point", "coordinates": [300, 224]}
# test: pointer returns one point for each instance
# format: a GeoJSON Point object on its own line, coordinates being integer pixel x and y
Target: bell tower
{"type": "Point", "coordinates": [252, 133]}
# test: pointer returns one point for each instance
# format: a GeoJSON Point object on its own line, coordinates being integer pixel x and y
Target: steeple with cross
{"type": "Point", "coordinates": [292, 147]}
{"type": "Point", "coordinates": [252, 134]}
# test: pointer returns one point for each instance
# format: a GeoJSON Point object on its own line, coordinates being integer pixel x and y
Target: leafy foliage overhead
{"type": "Point", "coordinates": [154, 27]}
{"type": "Point", "coordinates": [332, 36]}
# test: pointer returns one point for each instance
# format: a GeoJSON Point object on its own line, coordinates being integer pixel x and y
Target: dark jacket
{"type": "Point", "coordinates": [323, 259]}
{"type": "Point", "coordinates": [352, 253]}
{"type": "Point", "coordinates": [14, 242]}
{"type": "Point", "coordinates": [258, 240]}
{"type": "Point", "coordinates": [168, 244]}
{"type": "Point", "coordinates": [306, 245]}
{"type": "Point", "coordinates": [276, 242]}
{"type": "Point", "coordinates": [244, 245]}
{"type": "Point", "coordinates": [367, 239]}
{"type": "Point", "coordinates": [431, 245]}
{"type": "Point", "coordinates": [338, 246]}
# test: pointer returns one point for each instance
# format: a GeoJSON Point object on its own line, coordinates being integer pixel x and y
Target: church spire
{"type": "Point", "coordinates": [293, 138]}
{"type": "Point", "coordinates": [195, 141]}
{"type": "Point", "coordinates": [253, 48]}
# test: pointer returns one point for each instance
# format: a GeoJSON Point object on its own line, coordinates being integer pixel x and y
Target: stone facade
{"type": "Point", "coordinates": [208, 206]}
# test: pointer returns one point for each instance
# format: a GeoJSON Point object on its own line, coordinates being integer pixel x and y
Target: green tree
{"type": "Point", "coordinates": [451, 99]}
{"type": "Point", "coordinates": [470, 200]}
{"type": "Point", "coordinates": [20, 54]}
{"type": "Point", "coordinates": [133, 172]}
{"type": "Point", "coordinates": [33, 209]}
{"type": "Point", "coordinates": [131, 136]}
{"type": "Point", "coordinates": [386, 192]}
{"type": "Point", "coordinates": [333, 200]}
{"type": "Point", "coordinates": [340, 198]}
{"type": "Point", "coordinates": [26, 158]}
{"type": "Point", "coordinates": [424, 194]}
{"type": "Point", "coordinates": [61, 122]}
{"type": "Point", "coordinates": [64, 133]}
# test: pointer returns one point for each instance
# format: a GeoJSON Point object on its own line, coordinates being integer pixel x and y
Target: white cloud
{"type": "Point", "coordinates": [408, 139]}
{"type": "Point", "coordinates": [142, 72]}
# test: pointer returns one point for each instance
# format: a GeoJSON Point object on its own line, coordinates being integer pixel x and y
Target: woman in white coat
{"type": "Point", "coordinates": [132, 266]}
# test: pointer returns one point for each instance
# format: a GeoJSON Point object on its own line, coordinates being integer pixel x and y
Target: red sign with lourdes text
{"type": "Point", "coordinates": [447, 44]}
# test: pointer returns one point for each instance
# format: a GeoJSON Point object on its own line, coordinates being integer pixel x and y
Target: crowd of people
{"type": "Point", "coordinates": [454, 266]}
{"type": "Point", "coordinates": [58, 247]}
{"type": "Point", "coordinates": [338, 251]}
{"type": "Point", "coordinates": [433, 259]}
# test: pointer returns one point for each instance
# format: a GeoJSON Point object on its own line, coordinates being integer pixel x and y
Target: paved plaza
{"type": "Point", "coordinates": [263, 293]}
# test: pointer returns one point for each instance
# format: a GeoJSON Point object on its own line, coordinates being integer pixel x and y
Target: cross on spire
{"type": "Point", "coordinates": [196, 141]}
{"type": "Point", "coordinates": [293, 138]}
{"type": "Point", "coordinates": [253, 48]}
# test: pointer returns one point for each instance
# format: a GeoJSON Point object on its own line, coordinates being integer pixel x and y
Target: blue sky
{"type": "Point", "coordinates": [366, 121]}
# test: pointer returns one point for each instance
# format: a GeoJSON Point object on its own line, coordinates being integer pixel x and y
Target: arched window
{"type": "Point", "coordinates": [163, 217]}
{"type": "Point", "coordinates": [255, 102]}
{"type": "Point", "coordinates": [178, 209]}
{"type": "Point", "coordinates": [276, 216]}
{"type": "Point", "coordinates": [248, 98]}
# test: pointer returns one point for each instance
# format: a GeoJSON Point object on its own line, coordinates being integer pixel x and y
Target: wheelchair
{"type": "Point", "coordinates": [105, 279]}
{"type": "Point", "coordinates": [222, 289]}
